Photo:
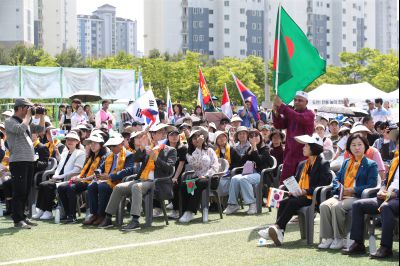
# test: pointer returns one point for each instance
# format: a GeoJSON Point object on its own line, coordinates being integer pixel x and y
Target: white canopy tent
{"type": "Point", "coordinates": [334, 94]}
{"type": "Point", "coordinates": [393, 96]}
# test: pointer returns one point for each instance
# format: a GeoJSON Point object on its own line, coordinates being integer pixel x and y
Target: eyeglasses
{"type": "Point", "coordinates": [253, 135]}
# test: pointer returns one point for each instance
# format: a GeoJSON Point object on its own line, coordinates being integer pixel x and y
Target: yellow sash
{"type": "Point", "coordinates": [51, 145]}
{"type": "Point", "coordinates": [304, 182]}
{"type": "Point", "coordinates": [150, 167]}
{"type": "Point", "coordinates": [351, 172]}
{"type": "Point", "coordinates": [393, 167]}
{"type": "Point", "coordinates": [93, 166]}
{"type": "Point", "coordinates": [120, 165]}
{"type": "Point", "coordinates": [227, 155]}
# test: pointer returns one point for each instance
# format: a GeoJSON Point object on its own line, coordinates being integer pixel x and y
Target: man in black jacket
{"type": "Point", "coordinates": [158, 161]}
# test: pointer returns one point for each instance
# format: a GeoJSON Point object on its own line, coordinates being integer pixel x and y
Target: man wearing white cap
{"type": "Point", "coordinates": [297, 122]}
{"type": "Point", "coordinates": [158, 161]}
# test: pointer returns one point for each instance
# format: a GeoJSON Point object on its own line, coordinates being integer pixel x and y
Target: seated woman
{"type": "Point", "coordinates": [311, 173]}
{"type": "Point", "coordinates": [182, 149]}
{"type": "Point", "coordinates": [204, 163]}
{"type": "Point", "coordinates": [276, 148]}
{"type": "Point", "coordinates": [99, 191]}
{"type": "Point", "coordinates": [355, 175]}
{"type": "Point", "coordinates": [243, 183]}
{"type": "Point", "coordinates": [386, 204]}
{"type": "Point", "coordinates": [71, 163]}
{"type": "Point", "coordinates": [225, 151]}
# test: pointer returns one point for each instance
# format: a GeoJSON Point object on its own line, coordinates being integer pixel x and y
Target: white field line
{"type": "Point", "coordinates": [127, 246]}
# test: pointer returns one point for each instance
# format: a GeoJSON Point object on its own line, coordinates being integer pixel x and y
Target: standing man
{"type": "Point", "coordinates": [246, 115]}
{"type": "Point", "coordinates": [298, 121]}
{"type": "Point", "coordinates": [380, 113]}
{"type": "Point", "coordinates": [22, 157]}
{"type": "Point", "coordinates": [103, 116]}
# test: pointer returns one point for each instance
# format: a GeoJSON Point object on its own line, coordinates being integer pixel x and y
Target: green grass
{"type": "Point", "coordinates": [229, 249]}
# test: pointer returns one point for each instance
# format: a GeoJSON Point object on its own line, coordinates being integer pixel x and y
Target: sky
{"type": "Point", "coordinates": [132, 9]}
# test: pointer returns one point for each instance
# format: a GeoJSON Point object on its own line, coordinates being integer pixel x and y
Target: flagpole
{"type": "Point", "coordinates": [278, 48]}
{"type": "Point", "coordinates": [240, 93]}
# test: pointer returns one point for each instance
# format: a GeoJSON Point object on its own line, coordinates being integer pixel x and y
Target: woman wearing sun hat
{"type": "Point", "coordinates": [311, 173]}
{"type": "Point", "coordinates": [71, 163]}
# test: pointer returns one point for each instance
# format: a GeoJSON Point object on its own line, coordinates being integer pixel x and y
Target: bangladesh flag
{"type": "Point", "coordinates": [191, 186]}
{"type": "Point", "coordinates": [298, 62]}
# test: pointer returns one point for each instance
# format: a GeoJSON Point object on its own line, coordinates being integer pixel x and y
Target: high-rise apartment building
{"type": "Point", "coordinates": [55, 25]}
{"type": "Point", "coordinates": [16, 22]}
{"type": "Point", "coordinates": [218, 28]}
{"type": "Point", "coordinates": [104, 34]}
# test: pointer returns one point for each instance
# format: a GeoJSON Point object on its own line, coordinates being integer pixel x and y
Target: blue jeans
{"type": "Point", "coordinates": [99, 195]}
{"type": "Point", "coordinates": [244, 185]}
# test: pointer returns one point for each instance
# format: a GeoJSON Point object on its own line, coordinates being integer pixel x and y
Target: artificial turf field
{"type": "Point", "coordinates": [230, 241]}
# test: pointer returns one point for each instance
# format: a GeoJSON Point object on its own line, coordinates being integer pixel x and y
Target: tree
{"type": "Point", "coordinates": [70, 58]}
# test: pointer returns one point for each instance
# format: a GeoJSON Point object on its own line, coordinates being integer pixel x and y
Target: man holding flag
{"type": "Point", "coordinates": [296, 64]}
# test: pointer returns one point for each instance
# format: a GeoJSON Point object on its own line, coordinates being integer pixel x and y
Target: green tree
{"type": "Point", "coordinates": [70, 58]}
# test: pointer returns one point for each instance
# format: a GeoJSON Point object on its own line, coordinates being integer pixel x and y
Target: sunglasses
{"type": "Point", "coordinates": [253, 135]}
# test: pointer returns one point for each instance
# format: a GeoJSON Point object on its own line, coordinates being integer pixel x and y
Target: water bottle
{"type": "Point", "coordinates": [33, 209]}
{"type": "Point", "coordinates": [372, 244]}
{"type": "Point", "coordinates": [57, 216]}
{"type": "Point", "coordinates": [87, 215]}
{"type": "Point", "coordinates": [205, 215]}
{"type": "Point", "coordinates": [1, 210]}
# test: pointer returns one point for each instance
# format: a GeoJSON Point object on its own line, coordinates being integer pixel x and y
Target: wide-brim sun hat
{"type": "Point", "coordinates": [72, 135]}
{"type": "Point", "coordinates": [306, 139]}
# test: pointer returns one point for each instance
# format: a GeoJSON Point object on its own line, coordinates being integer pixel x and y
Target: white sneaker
{"type": "Point", "coordinates": [47, 216]}
{"type": "Point", "coordinates": [275, 235]}
{"type": "Point", "coordinates": [174, 215]}
{"type": "Point", "coordinates": [170, 206]}
{"type": "Point", "coordinates": [38, 214]}
{"type": "Point", "coordinates": [337, 244]}
{"type": "Point", "coordinates": [252, 209]}
{"type": "Point", "coordinates": [326, 243]}
{"type": "Point", "coordinates": [264, 233]}
{"type": "Point", "coordinates": [187, 217]}
{"type": "Point", "coordinates": [157, 212]}
{"type": "Point", "coordinates": [231, 209]}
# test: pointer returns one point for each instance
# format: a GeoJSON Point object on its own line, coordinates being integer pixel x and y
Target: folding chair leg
{"type": "Point", "coordinates": [205, 198]}
{"type": "Point", "coordinates": [259, 198]}
{"type": "Point", "coordinates": [148, 210]}
{"type": "Point", "coordinates": [310, 227]}
{"type": "Point", "coordinates": [219, 206]}
{"type": "Point", "coordinates": [303, 226]}
{"type": "Point", "coordinates": [164, 209]}
{"type": "Point", "coordinates": [78, 205]}
{"type": "Point", "coordinates": [121, 211]}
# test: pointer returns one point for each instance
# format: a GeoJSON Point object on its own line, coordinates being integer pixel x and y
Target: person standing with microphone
{"type": "Point", "coordinates": [22, 157]}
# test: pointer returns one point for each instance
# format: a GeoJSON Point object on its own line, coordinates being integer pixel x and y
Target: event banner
{"type": "Point", "coordinates": [118, 84]}
{"type": "Point", "coordinates": [41, 82]}
{"type": "Point", "coordinates": [9, 82]}
{"type": "Point", "coordinates": [79, 79]}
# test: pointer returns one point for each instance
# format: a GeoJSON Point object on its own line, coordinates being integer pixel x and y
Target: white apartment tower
{"type": "Point", "coordinates": [16, 22]}
{"type": "Point", "coordinates": [334, 26]}
{"type": "Point", "coordinates": [218, 28]}
{"type": "Point", "coordinates": [55, 25]}
{"type": "Point", "coordinates": [104, 34]}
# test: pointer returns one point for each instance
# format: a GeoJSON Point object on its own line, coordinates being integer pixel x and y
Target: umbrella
{"type": "Point", "coordinates": [215, 117]}
{"type": "Point", "coordinates": [86, 96]}
{"type": "Point", "coordinates": [337, 109]}
{"type": "Point", "coordinates": [358, 112]}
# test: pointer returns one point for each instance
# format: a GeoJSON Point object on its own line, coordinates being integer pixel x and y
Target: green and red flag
{"type": "Point", "coordinates": [191, 186]}
{"type": "Point", "coordinates": [296, 62]}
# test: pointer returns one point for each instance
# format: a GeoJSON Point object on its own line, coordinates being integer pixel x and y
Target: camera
{"type": "Point", "coordinates": [1, 135]}
{"type": "Point", "coordinates": [38, 110]}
